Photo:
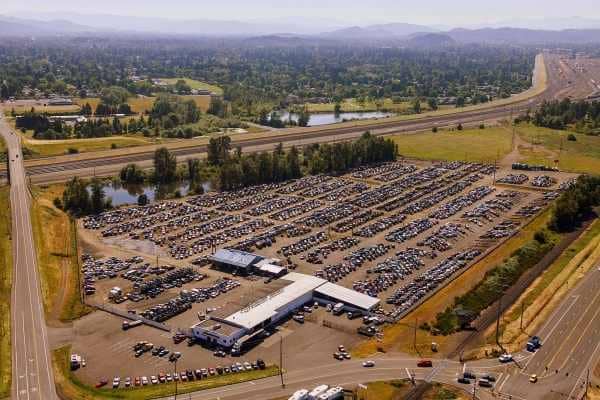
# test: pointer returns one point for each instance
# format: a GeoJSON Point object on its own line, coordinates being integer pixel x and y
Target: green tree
{"type": "Point", "coordinates": [97, 198]}
{"type": "Point", "coordinates": [218, 150]}
{"type": "Point", "coordinates": [432, 103]}
{"type": "Point", "coordinates": [293, 163]}
{"type": "Point", "coordinates": [417, 106]}
{"type": "Point", "coordinates": [165, 166]}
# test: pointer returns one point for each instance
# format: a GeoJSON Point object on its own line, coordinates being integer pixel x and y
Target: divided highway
{"type": "Point", "coordinates": [32, 376]}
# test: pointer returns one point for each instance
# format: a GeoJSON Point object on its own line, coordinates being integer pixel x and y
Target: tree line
{"type": "Point", "coordinates": [583, 116]}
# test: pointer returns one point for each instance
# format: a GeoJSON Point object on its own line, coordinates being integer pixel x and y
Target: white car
{"type": "Point", "coordinates": [154, 380]}
{"type": "Point", "coordinates": [368, 363]}
{"type": "Point", "coordinates": [144, 380]}
{"type": "Point", "coordinates": [504, 358]}
{"type": "Point", "coordinates": [116, 382]}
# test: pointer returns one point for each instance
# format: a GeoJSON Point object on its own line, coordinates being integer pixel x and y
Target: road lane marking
{"type": "Point", "coordinates": [25, 351]}
{"type": "Point", "coordinates": [581, 318]}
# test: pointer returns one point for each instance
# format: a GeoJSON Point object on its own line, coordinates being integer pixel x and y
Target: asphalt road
{"type": "Point", "coordinates": [571, 346]}
{"type": "Point", "coordinates": [349, 374]}
{"type": "Point", "coordinates": [32, 376]}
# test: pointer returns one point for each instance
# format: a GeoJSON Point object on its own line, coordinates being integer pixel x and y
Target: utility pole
{"type": "Point", "coordinates": [474, 388]}
{"type": "Point", "coordinates": [498, 322]}
{"type": "Point", "coordinates": [521, 323]}
{"type": "Point", "coordinates": [415, 334]}
{"type": "Point", "coordinates": [281, 361]}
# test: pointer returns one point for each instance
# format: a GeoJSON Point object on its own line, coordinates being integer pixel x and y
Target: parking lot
{"type": "Point", "coordinates": [397, 231]}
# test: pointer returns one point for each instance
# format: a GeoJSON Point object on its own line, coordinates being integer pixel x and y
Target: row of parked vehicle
{"type": "Point", "coordinates": [459, 203]}
{"type": "Point", "coordinates": [94, 269]}
{"type": "Point", "coordinates": [164, 311]}
{"type": "Point", "coordinates": [183, 376]}
{"type": "Point", "coordinates": [352, 262]}
{"type": "Point", "coordinates": [543, 181]}
{"type": "Point", "coordinates": [409, 295]}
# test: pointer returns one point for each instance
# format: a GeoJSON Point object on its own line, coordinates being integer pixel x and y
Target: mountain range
{"type": "Point", "coordinates": [302, 30]}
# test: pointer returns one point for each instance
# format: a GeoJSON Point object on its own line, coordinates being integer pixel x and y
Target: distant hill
{"type": "Point", "coordinates": [384, 31]}
{"type": "Point", "coordinates": [431, 40]}
{"type": "Point", "coordinates": [10, 26]}
{"type": "Point", "coordinates": [524, 36]}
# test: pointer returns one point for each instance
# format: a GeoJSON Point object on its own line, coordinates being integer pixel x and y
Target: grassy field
{"type": "Point", "coordinates": [400, 336]}
{"type": "Point", "coordinates": [56, 248]}
{"type": "Point", "coordinates": [544, 146]}
{"type": "Point", "coordinates": [70, 387]}
{"type": "Point", "coordinates": [142, 104]}
{"type": "Point", "coordinates": [480, 145]}
{"type": "Point", "coordinates": [20, 108]}
{"type": "Point", "coordinates": [398, 389]}
{"type": "Point", "coordinates": [5, 290]}
{"type": "Point", "coordinates": [352, 105]}
{"type": "Point", "coordinates": [194, 84]}
{"type": "Point", "coordinates": [47, 148]}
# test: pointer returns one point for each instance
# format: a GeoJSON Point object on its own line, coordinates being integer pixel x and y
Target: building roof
{"type": "Point", "coordinates": [347, 296]}
{"type": "Point", "coordinates": [263, 309]}
{"type": "Point", "coordinates": [271, 269]}
{"type": "Point", "coordinates": [237, 258]}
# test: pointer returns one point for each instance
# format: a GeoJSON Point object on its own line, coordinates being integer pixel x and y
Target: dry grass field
{"type": "Point", "coordinates": [5, 290]}
{"type": "Point", "coordinates": [56, 248]}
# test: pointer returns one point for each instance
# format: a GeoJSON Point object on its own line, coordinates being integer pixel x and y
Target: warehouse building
{"type": "Point", "coordinates": [302, 289]}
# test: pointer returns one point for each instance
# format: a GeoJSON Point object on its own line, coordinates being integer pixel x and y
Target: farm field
{"type": "Point", "coordinates": [542, 146]}
{"type": "Point", "coordinates": [195, 84]}
{"type": "Point", "coordinates": [48, 148]}
{"type": "Point", "coordinates": [353, 230]}
{"type": "Point", "coordinates": [143, 104]}
{"type": "Point", "coordinates": [473, 145]}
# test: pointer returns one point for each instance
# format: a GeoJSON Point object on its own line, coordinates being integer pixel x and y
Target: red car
{"type": "Point", "coordinates": [425, 364]}
{"type": "Point", "coordinates": [103, 382]}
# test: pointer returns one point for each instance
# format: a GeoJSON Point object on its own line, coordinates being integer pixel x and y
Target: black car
{"type": "Point", "coordinates": [469, 375]}
{"type": "Point", "coordinates": [261, 364]}
{"type": "Point", "coordinates": [464, 380]}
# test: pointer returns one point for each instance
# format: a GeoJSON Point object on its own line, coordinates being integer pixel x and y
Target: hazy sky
{"type": "Point", "coordinates": [445, 12]}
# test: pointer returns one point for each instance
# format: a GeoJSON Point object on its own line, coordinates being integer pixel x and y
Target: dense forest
{"type": "Point", "coordinates": [581, 115]}
{"type": "Point", "coordinates": [253, 75]}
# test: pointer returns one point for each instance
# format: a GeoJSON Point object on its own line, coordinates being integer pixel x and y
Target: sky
{"type": "Point", "coordinates": [359, 12]}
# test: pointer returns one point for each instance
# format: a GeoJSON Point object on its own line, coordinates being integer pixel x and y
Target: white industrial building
{"type": "Point", "coordinates": [303, 289]}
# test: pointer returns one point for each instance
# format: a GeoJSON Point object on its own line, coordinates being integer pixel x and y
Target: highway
{"type": "Point", "coordinates": [571, 346]}
{"type": "Point", "coordinates": [32, 376]}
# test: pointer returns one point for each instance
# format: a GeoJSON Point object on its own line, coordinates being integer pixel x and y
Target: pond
{"type": "Point", "coordinates": [128, 193]}
{"type": "Point", "coordinates": [332, 118]}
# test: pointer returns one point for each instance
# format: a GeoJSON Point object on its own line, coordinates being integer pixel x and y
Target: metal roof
{"type": "Point", "coordinates": [263, 309]}
{"type": "Point", "coordinates": [237, 258]}
{"type": "Point", "coordinates": [347, 296]}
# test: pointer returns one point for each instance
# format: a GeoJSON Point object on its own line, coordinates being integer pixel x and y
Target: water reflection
{"type": "Point", "coordinates": [129, 193]}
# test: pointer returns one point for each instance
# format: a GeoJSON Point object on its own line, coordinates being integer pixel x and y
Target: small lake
{"type": "Point", "coordinates": [332, 118]}
{"type": "Point", "coordinates": [128, 194]}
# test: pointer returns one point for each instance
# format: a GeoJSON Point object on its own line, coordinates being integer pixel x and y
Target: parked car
{"type": "Point", "coordinates": [102, 382]}
{"type": "Point", "coordinates": [504, 358]}
{"type": "Point", "coordinates": [462, 379]}
{"type": "Point", "coordinates": [424, 364]}
{"type": "Point", "coordinates": [469, 375]}
{"type": "Point", "coordinates": [533, 378]}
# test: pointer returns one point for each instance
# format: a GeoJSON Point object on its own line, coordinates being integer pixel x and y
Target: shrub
{"type": "Point", "coordinates": [571, 138]}
{"type": "Point", "coordinates": [434, 129]}
{"type": "Point", "coordinates": [72, 150]}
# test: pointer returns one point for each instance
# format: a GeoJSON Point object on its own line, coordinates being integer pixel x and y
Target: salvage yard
{"type": "Point", "coordinates": [398, 232]}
